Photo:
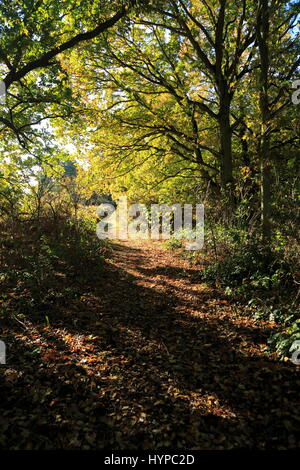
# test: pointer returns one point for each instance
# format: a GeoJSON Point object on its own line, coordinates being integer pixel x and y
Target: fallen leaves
{"type": "Point", "coordinates": [155, 360]}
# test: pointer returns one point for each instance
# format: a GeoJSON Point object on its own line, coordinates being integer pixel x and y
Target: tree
{"type": "Point", "coordinates": [269, 102]}
{"type": "Point", "coordinates": [33, 36]}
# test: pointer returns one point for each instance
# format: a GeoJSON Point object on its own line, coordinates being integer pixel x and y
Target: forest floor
{"type": "Point", "coordinates": [145, 357]}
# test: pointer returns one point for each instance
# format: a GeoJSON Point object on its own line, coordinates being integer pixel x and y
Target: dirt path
{"type": "Point", "coordinates": [147, 357]}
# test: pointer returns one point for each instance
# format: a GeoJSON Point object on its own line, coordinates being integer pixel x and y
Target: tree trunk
{"type": "Point", "coordinates": [226, 148]}
{"type": "Point", "coordinates": [226, 167]}
{"type": "Point", "coordinates": [265, 190]}
{"type": "Point", "coordinates": [262, 31]}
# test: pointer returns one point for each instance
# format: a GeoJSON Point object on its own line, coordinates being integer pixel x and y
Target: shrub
{"type": "Point", "coordinates": [250, 268]}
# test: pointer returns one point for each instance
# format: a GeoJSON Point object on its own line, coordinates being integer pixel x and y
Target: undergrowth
{"type": "Point", "coordinates": [263, 281]}
{"type": "Point", "coordinates": [42, 264]}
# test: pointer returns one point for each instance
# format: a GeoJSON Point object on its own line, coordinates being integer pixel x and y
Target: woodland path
{"type": "Point", "coordinates": [147, 357]}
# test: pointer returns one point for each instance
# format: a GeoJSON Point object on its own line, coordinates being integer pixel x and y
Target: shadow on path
{"type": "Point", "coordinates": [147, 358]}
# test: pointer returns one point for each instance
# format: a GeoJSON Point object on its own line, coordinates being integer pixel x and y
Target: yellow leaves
{"type": "Point", "coordinates": [211, 400]}
{"type": "Point", "coordinates": [25, 31]}
{"type": "Point", "coordinates": [245, 171]}
{"type": "Point", "coordinates": [68, 338]}
{"type": "Point", "coordinates": [143, 417]}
